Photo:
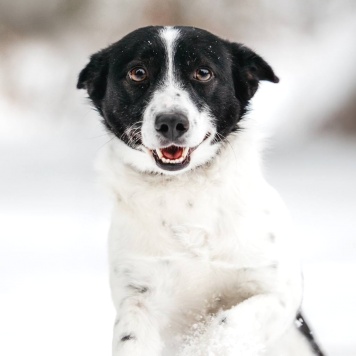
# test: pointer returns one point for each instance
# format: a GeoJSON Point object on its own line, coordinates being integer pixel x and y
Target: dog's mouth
{"type": "Point", "coordinates": [172, 158]}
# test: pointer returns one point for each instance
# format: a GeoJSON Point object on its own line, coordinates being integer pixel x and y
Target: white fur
{"type": "Point", "coordinates": [192, 250]}
{"type": "Point", "coordinates": [169, 36]}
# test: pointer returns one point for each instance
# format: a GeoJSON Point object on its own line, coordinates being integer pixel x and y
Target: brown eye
{"type": "Point", "coordinates": [138, 74]}
{"type": "Point", "coordinates": [203, 74]}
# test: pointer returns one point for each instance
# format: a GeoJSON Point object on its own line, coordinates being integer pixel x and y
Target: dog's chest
{"type": "Point", "coordinates": [193, 244]}
{"type": "Point", "coordinates": [194, 222]}
{"type": "Point", "coordinates": [194, 249]}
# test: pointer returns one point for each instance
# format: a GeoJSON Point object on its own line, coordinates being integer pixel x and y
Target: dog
{"type": "Point", "coordinates": [201, 258]}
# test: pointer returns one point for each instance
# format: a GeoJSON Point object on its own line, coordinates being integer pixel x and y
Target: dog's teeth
{"type": "Point", "coordinates": [159, 153]}
{"type": "Point", "coordinates": [172, 161]}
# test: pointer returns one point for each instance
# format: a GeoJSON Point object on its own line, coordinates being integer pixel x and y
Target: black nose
{"type": "Point", "coordinates": [172, 126]}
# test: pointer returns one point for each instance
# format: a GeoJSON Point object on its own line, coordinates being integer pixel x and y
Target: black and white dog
{"type": "Point", "coordinates": [201, 261]}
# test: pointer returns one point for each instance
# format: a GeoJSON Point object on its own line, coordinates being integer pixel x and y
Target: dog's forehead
{"type": "Point", "coordinates": [196, 37]}
{"type": "Point", "coordinates": [180, 43]}
{"type": "Point", "coordinates": [193, 44]}
{"type": "Point", "coordinates": [140, 43]}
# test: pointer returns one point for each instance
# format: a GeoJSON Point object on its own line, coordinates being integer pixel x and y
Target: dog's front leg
{"type": "Point", "coordinates": [136, 330]}
{"type": "Point", "coordinates": [250, 326]}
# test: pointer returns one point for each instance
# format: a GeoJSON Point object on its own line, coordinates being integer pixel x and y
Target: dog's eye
{"type": "Point", "coordinates": [138, 74]}
{"type": "Point", "coordinates": [203, 74]}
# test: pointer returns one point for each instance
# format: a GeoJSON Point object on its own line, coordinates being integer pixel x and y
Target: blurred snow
{"type": "Point", "coordinates": [54, 287]}
{"type": "Point", "coordinates": [54, 217]}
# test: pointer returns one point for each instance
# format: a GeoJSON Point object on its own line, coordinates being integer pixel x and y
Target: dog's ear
{"type": "Point", "coordinates": [248, 69]}
{"type": "Point", "coordinates": [93, 77]}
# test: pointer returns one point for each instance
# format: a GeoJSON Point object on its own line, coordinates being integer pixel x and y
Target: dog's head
{"type": "Point", "coordinates": [172, 95]}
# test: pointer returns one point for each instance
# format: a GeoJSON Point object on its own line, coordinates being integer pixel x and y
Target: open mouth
{"type": "Point", "coordinates": [172, 158]}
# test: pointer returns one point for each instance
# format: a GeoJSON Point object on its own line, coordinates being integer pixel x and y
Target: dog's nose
{"type": "Point", "coordinates": [172, 126]}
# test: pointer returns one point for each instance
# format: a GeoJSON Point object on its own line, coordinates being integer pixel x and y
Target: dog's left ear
{"type": "Point", "coordinates": [93, 77]}
{"type": "Point", "coordinates": [248, 70]}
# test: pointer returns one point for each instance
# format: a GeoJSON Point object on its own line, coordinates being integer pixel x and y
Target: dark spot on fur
{"type": "Point", "coordinates": [139, 289]}
{"type": "Point", "coordinates": [164, 223]}
{"type": "Point", "coordinates": [126, 272]}
{"type": "Point", "coordinates": [117, 321]}
{"type": "Point", "coordinates": [127, 338]}
{"type": "Point", "coordinates": [139, 304]}
{"type": "Point", "coordinates": [177, 94]}
{"type": "Point", "coordinates": [272, 237]}
{"type": "Point", "coordinates": [223, 320]}
{"type": "Point", "coordinates": [282, 303]}
{"type": "Point", "coordinates": [190, 204]}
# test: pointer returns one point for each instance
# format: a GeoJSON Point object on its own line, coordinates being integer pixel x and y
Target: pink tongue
{"type": "Point", "coordinates": [172, 152]}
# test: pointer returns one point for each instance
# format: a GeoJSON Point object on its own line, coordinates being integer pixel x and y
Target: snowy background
{"type": "Point", "coordinates": [54, 217]}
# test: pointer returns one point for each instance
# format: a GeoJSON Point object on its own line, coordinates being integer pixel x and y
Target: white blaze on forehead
{"type": "Point", "coordinates": [171, 97]}
{"type": "Point", "coordinates": [169, 36]}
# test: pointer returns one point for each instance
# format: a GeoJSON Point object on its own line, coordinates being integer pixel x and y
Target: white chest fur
{"type": "Point", "coordinates": [185, 247]}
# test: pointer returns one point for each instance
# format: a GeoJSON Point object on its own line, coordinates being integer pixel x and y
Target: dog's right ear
{"type": "Point", "coordinates": [93, 77]}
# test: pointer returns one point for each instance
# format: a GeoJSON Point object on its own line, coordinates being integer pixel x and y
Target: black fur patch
{"type": "Point", "coordinates": [127, 338]}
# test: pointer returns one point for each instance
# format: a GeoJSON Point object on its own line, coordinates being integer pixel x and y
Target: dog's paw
{"type": "Point", "coordinates": [226, 336]}
{"type": "Point", "coordinates": [208, 340]}
{"type": "Point", "coordinates": [220, 336]}
{"type": "Point", "coordinates": [133, 349]}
